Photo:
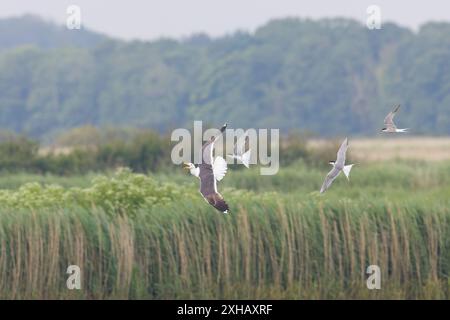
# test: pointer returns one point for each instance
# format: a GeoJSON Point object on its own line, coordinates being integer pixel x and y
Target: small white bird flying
{"type": "Point", "coordinates": [239, 152]}
{"type": "Point", "coordinates": [338, 166]}
{"type": "Point", "coordinates": [209, 172]}
{"type": "Point", "coordinates": [389, 124]}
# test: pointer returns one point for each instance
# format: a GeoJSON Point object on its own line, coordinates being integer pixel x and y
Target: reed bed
{"type": "Point", "coordinates": [271, 246]}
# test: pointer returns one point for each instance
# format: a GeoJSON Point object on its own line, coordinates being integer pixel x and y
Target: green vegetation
{"type": "Point", "coordinates": [86, 149]}
{"type": "Point", "coordinates": [288, 74]}
{"type": "Point", "coordinates": [137, 236]}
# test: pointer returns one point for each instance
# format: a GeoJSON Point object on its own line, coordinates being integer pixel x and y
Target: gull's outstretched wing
{"type": "Point", "coordinates": [208, 191]}
{"type": "Point", "coordinates": [208, 146]}
{"type": "Point", "coordinates": [212, 171]}
{"type": "Point", "coordinates": [217, 201]}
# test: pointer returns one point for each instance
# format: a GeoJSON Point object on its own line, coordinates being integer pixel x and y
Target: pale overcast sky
{"type": "Point", "coordinates": [150, 19]}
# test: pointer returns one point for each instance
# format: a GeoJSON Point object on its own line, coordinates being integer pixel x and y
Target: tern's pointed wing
{"type": "Point", "coordinates": [340, 160]}
{"type": "Point", "coordinates": [329, 179]}
{"type": "Point", "coordinates": [389, 120]}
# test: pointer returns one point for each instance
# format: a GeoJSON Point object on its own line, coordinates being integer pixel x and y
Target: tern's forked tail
{"type": "Point", "coordinates": [347, 170]}
{"type": "Point", "coordinates": [246, 158]}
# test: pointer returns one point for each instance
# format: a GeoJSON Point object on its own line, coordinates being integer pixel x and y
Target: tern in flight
{"type": "Point", "coordinates": [210, 171]}
{"type": "Point", "coordinates": [338, 166]}
{"type": "Point", "coordinates": [239, 148]}
{"type": "Point", "coordinates": [389, 124]}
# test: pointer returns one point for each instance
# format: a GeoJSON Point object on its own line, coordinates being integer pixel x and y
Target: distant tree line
{"type": "Point", "coordinates": [330, 76]}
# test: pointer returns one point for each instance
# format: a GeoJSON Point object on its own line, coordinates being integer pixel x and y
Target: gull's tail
{"type": "Point", "coordinates": [403, 130]}
{"type": "Point", "coordinates": [347, 170]}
